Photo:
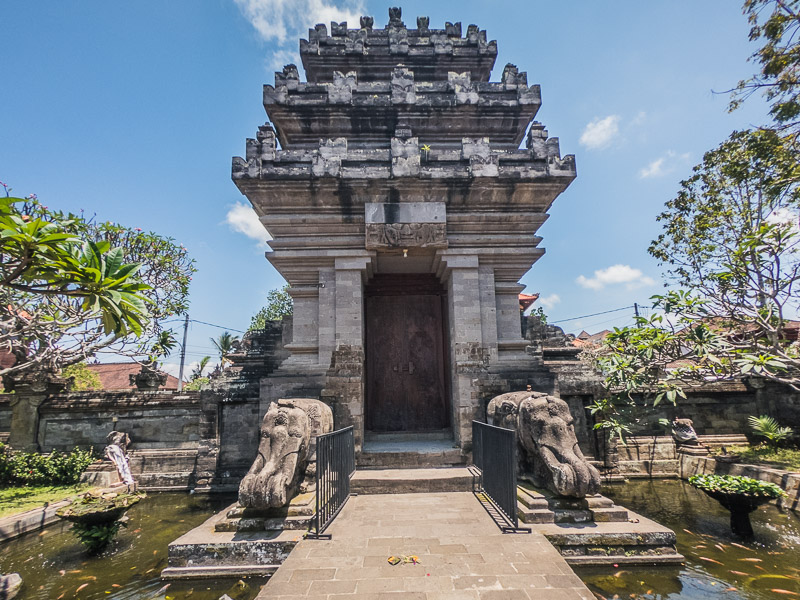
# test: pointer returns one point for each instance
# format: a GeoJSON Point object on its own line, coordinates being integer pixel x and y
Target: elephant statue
{"type": "Point", "coordinates": [549, 455]}
{"type": "Point", "coordinates": [286, 459]}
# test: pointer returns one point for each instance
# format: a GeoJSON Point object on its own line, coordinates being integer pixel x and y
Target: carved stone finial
{"type": "Point", "coordinates": [395, 15]}
{"type": "Point", "coordinates": [452, 29]}
{"type": "Point", "coordinates": [367, 22]}
{"type": "Point", "coordinates": [339, 28]}
{"type": "Point", "coordinates": [423, 22]}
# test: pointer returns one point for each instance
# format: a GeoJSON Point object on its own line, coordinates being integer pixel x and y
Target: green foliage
{"type": "Point", "coordinates": [279, 305]}
{"type": "Point", "coordinates": [197, 372]}
{"type": "Point", "coordinates": [96, 536]}
{"type": "Point", "coordinates": [768, 428]}
{"type": "Point", "coordinates": [196, 383]}
{"type": "Point", "coordinates": [538, 312]}
{"type": "Point", "coordinates": [32, 468]}
{"type": "Point", "coordinates": [731, 239]}
{"type": "Point", "coordinates": [19, 499]}
{"type": "Point", "coordinates": [83, 377]}
{"type": "Point", "coordinates": [781, 458]}
{"type": "Point", "coordinates": [734, 484]}
{"type": "Point", "coordinates": [224, 344]}
{"type": "Point", "coordinates": [70, 286]}
{"type": "Point", "coordinates": [776, 24]}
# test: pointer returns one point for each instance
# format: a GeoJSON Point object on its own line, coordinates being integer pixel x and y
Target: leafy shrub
{"type": "Point", "coordinates": [83, 377]}
{"type": "Point", "coordinates": [195, 384]}
{"type": "Point", "coordinates": [768, 428]}
{"type": "Point", "coordinates": [734, 484]}
{"type": "Point", "coordinates": [32, 468]}
{"type": "Point", "coordinates": [96, 536]}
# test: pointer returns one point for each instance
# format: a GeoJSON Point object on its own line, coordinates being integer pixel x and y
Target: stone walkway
{"type": "Point", "coordinates": [463, 556]}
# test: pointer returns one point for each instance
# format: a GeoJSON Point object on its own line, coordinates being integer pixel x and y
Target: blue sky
{"type": "Point", "coordinates": [133, 111]}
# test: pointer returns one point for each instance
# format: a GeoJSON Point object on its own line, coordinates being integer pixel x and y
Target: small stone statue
{"type": "Point", "coordinates": [683, 431]}
{"type": "Point", "coordinates": [116, 451]}
{"type": "Point", "coordinates": [549, 454]}
{"type": "Point", "coordinates": [423, 22]}
{"type": "Point", "coordinates": [285, 452]}
{"type": "Point", "coordinates": [367, 22]}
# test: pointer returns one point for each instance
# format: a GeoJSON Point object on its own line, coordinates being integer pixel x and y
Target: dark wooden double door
{"type": "Point", "coordinates": [406, 356]}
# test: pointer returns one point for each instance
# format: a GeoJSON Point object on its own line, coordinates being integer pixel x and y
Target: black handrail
{"type": "Point", "coordinates": [494, 455]}
{"type": "Point", "coordinates": [336, 463]}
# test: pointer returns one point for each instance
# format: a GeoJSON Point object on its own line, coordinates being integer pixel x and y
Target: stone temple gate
{"type": "Point", "coordinates": [403, 191]}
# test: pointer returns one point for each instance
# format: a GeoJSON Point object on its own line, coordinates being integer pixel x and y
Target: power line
{"type": "Point", "coordinates": [218, 326]}
{"type": "Point", "coordinates": [605, 312]}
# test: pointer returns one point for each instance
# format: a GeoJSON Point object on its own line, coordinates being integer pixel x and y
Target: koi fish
{"type": "Point", "coordinates": [689, 532]}
{"type": "Point", "coordinates": [785, 592]}
{"type": "Point", "coordinates": [751, 559]}
{"type": "Point", "coordinates": [720, 547]}
{"type": "Point", "coordinates": [738, 573]}
{"type": "Point", "coordinates": [80, 587]}
{"type": "Point", "coordinates": [740, 546]}
{"type": "Point", "coordinates": [711, 560]}
{"type": "Point", "coordinates": [620, 573]}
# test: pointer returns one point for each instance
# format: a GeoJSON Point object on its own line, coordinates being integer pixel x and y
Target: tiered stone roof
{"type": "Point", "coordinates": [401, 115]}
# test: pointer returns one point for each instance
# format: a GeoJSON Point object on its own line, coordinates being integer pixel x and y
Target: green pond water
{"type": "Point", "coordinates": [716, 567]}
{"type": "Point", "coordinates": [52, 562]}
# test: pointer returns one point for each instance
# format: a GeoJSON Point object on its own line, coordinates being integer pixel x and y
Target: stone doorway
{"type": "Point", "coordinates": [406, 356]}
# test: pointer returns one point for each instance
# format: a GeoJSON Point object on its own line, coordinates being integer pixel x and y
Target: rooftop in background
{"type": "Point", "coordinates": [372, 53]}
{"type": "Point", "coordinates": [116, 376]}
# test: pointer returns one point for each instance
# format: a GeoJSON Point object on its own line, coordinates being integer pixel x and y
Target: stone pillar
{"type": "Point", "coordinates": [488, 311]}
{"type": "Point", "coordinates": [305, 333]}
{"type": "Point", "coordinates": [208, 449]}
{"type": "Point", "coordinates": [327, 315]}
{"type": "Point", "coordinates": [31, 390]}
{"type": "Point", "coordinates": [350, 275]}
{"type": "Point", "coordinates": [468, 357]}
{"type": "Point", "coordinates": [511, 345]}
{"type": "Point", "coordinates": [344, 382]}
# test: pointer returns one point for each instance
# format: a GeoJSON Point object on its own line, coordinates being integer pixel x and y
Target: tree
{"type": "Point", "coordinates": [83, 377]}
{"type": "Point", "coordinates": [731, 240]}
{"type": "Point", "coordinates": [70, 287]}
{"type": "Point", "coordinates": [279, 305]}
{"type": "Point", "coordinates": [224, 345]}
{"type": "Point", "coordinates": [775, 23]}
{"type": "Point", "coordinates": [197, 372]}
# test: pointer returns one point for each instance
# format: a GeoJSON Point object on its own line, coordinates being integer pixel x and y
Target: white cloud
{"type": "Point", "coordinates": [243, 219]}
{"type": "Point", "coordinates": [550, 301]}
{"type": "Point", "coordinates": [600, 132]}
{"type": "Point", "coordinates": [664, 164]}
{"type": "Point", "coordinates": [284, 21]}
{"type": "Point", "coordinates": [614, 275]}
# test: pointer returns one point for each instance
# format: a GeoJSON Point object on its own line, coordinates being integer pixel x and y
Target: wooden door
{"type": "Point", "coordinates": [406, 388]}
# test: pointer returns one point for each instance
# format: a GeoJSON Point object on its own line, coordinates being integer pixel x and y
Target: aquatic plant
{"type": "Point", "coordinates": [740, 495]}
{"type": "Point", "coordinates": [97, 517]}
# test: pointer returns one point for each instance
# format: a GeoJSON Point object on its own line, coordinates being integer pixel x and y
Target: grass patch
{"type": "Point", "coordinates": [19, 499]}
{"type": "Point", "coordinates": [782, 458]}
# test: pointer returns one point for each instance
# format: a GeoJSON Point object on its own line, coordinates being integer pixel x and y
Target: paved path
{"type": "Point", "coordinates": [463, 556]}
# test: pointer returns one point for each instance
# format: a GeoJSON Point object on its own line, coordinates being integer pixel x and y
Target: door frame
{"type": "Point", "coordinates": [409, 284]}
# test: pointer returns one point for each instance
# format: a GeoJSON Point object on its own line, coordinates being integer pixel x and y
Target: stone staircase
{"type": "Point", "coordinates": [594, 531]}
{"type": "Point", "coordinates": [410, 451]}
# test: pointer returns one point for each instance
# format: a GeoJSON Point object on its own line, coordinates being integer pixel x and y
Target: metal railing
{"type": "Point", "coordinates": [494, 456]}
{"type": "Point", "coordinates": [336, 463]}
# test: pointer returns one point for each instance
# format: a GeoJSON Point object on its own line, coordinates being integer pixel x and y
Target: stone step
{"type": "Point", "coordinates": [404, 481]}
{"type": "Point", "coordinates": [569, 515]}
{"type": "Point", "coordinates": [264, 524]}
{"type": "Point", "coordinates": [612, 514]}
{"type": "Point", "coordinates": [639, 542]}
{"type": "Point", "coordinates": [535, 515]}
{"type": "Point", "coordinates": [410, 460]}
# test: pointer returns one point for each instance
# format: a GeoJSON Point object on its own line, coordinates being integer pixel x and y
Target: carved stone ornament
{"type": "Point", "coordinates": [406, 235]}
{"type": "Point", "coordinates": [148, 379]}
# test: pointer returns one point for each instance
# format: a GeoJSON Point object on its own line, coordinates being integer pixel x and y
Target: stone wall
{"type": "Point", "coordinates": [5, 416]}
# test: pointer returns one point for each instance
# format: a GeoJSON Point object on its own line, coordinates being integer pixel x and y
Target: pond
{"type": "Point", "coordinates": [54, 565]}
{"type": "Point", "coordinates": [718, 565]}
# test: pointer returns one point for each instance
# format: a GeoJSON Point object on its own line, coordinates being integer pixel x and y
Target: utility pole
{"type": "Point", "coordinates": [183, 352]}
{"type": "Point", "coordinates": [635, 311]}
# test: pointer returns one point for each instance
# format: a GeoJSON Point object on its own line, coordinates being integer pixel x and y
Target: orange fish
{"type": "Point", "coordinates": [720, 547]}
{"type": "Point", "coordinates": [740, 546]}
{"type": "Point", "coordinates": [751, 559]}
{"type": "Point", "coordinates": [689, 532]}
{"type": "Point", "coordinates": [730, 589]}
{"type": "Point", "coordinates": [711, 560]}
{"type": "Point", "coordinates": [738, 573]}
{"type": "Point", "coordinates": [787, 592]}
{"type": "Point", "coordinates": [80, 587]}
